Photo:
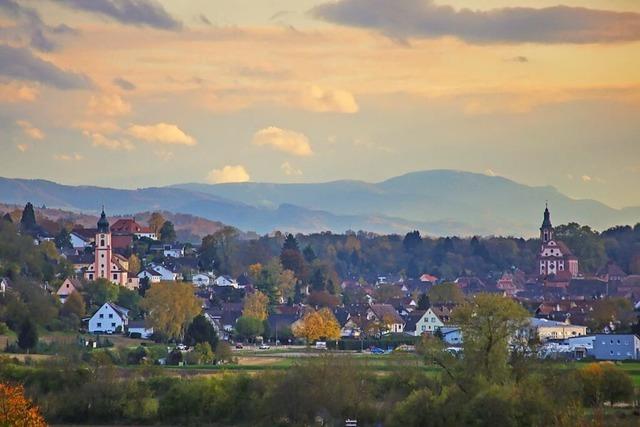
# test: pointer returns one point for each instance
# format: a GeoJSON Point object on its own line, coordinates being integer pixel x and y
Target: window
{"type": "Point", "coordinates": [90, 276]}
{"type": "Point", "coordinates": [113, 325]}
{"type": "Point", "coordinates": [110, 316]}
{"type": "Point", "coordinates": [99, 325]}
{"type": "Point", "coordinates": [611, 352]}
{"type": "Point", "coordinates": [101, 242]}
{"type": "Point", "coordinates": [101, 316]}
{"type": "Point", "coordinates": [115, 277]}
{"type": "Point", "coordinates": [101, 255]}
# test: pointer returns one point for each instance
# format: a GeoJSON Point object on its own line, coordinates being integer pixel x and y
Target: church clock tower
{"type": "Point", "coordinates": [103, 249]}
{"type": "Point", "coordinates": [546, 231]}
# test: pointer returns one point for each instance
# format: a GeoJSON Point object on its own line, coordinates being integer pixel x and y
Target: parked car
{"type": "Point", "coordinates": [239, 346]}
{"type": "Point", "coordinates": [377, 350]}
{"type": "Point", "coordinates": [321, 345]}
{"type": "Point", "coordinates": [182, 347]}
{"type": "Point", "coordinates": [264, 347]}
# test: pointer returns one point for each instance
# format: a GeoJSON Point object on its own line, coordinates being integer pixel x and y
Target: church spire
{"type": "Point", "coordinates": [546, 231]}
{"type": "Point", "coordinates": [103, 224]}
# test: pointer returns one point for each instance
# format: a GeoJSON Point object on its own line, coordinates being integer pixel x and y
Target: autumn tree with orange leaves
{"type": "Point", "coordinates": [16, 409]}
{"type": "Point", "coordinates": [318, 324]}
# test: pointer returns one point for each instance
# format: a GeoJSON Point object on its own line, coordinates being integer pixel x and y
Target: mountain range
{"type": "Point", "coordinates": [437, 202]}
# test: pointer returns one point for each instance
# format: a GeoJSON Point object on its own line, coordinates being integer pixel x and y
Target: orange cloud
{"type": "Point", "coordinates": [284, 140]}
{"type": "Point", "coordinates": [30, 130]}
{"type": "Point", "coordinates": [161, 133]}
{"type": "Point", "coordinates": [227, 174]}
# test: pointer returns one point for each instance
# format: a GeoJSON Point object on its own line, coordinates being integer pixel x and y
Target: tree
{"type": "Point", "coordinates": [204, 352]}
{"type": "Point", "coordinates": [134, 265]}
{"type": "Point", "coordinates": [28, 335]}
{"type": "Point", "coordinates": [223, 352]}
{"type": "Point", "coordinates": [412, 241]}
{"type": "Point", "coordinates": [63, 239]}
{"type": "Point", "coordinates": [317, 324]}
{"type": "Point", "coordinates": [217, 250]}
{"type": "Point", "coordinates": [611, 311]}
{"type": "Point", "coordinates": [423, 302]}
{"type": "Point", "coordinates": [28, 220]}
{"type": "Point", "coordinates": [100, 291]}
{"type": "Point", "coordinates": [16, 409]}
{"type": "Point", "coordinates": [255, 305]}
{"type": "Point", "coordinates": [290, 257]}
{"type": "Point", "coordinates": [604, 382]}
{"type": "Point", "coordinates": [155, 222]}
{"type": "Point", "coordinates": [309, 254]}
{"type": "Point", "coordinates": [74, 306]}
{"type": "Point", "coordinates": [167, 232]}
{"type": "Point", "coordinates": [7, 217]}
{"type": "Point", "coordinates": [249, 327]}
{"type": "Point", "coordinates": [488, 323]}
{"type": "Point", "coordinates": [200, 331]}
{"type": "Point", "coordinates": [445, 293]}
{"type": "Point", "coordinates": [130, 299]}
{"type": "Point", "coordinates": [171, 307]}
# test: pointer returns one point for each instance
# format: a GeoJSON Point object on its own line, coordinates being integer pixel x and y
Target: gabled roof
{"type": "Point", "coordinates": [150, 272]}
{"type": "Point", "coordinates": [382, 311]}
{"type": "Point", "coordinates": [119, 309]}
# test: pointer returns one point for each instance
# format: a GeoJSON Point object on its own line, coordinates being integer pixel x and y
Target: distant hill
{"type": "Point", "coordinates": [439, 202]}
{"type": "Point", "coordinates": [188, 228]}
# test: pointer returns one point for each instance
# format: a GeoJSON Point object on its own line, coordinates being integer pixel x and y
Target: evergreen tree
{"type": "Point", "coordinates": [201, 331]}
{"type": "Point", "coordinates": [423, 302]}
{"type": "Point", "coordinates": [309, 254]}
{"type": "Point", "coordinates": [290, 243]}
{"type": "Point", "coordinates": [63, 239]}
{"type": "Point", "coordinates": [167, 232]}
{"type": "Point", "coordinates": [28, 220]}
{"type": "Point", "coordinates": [28, 335]}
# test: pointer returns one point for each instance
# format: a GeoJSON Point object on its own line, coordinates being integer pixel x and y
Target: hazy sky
{"type": "Point", "coordinates": [142, 93]}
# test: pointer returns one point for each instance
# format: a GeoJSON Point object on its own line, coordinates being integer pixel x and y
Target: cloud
{"type": "Point", "coordinates": [22, 147]}
{"type": "Point", "coordinates": [130, 12]}
{"type": "Point", "coordinates": [328, 100]}
{"type": "Point", "coordinates": [284, 140]}
{"type": "Point", "coordinates": [124, 84]}
{"type": "Point", "coordinates": [73, 157]}
{"type": "Point", "coordinates": [228, 173]}
{"type": "Point", "coordinates": [162, 133]}
{"type": "Point", "coordinates": [21, 64]}
{"type": "Point", "coordinates": [99, 140]}
{"type": "Point", "coordinates": [29, 26]}
{"type": "Point", "coordinates": [400, 19]}
{"type": "Point", "coordinates": [108, 105]}
{"type": "Point", "coordinates": [586, 178]}
{"type": "Point", "coordinates": [15, 92]}
{"type": "Point", "coordinates": [30, 130]}
{"type": "Point", "coordinates": [289, 170]}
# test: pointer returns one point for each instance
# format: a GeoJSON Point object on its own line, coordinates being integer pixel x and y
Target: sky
{"type": "Point", "coordinates": [138, 93]}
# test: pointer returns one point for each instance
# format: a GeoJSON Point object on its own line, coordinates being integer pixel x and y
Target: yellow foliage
{"type": "Point", "coordinates": [255, 305]}
{"type": "Point", "coordinates": [171, 307]}
{"type": "Point", "coordinates": [318, 324]}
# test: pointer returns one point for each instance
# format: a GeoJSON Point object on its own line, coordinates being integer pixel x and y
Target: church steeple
{"type": "Point", "coordinates": [546, 231]}
{"type": "Point", "coordinates": [103, 224]}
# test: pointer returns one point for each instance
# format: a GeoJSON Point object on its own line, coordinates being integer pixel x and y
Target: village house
{"type": "Point", "coordinates": [109, 319]}
{"type": "Point", "coordinates": [387, 317]}
{"type": "Point", "coordinates": [129, 226]}
{"type": "Point", "coordinates": [166, 275]}
{"type": "Point", "coordinates": [201, 279]}
{"type": "Point", "coordinates": [225, 281]}
{"type": "Point", "coordinates": [151, 275]}
{"type": "Point", "coordinates": [69, 286]}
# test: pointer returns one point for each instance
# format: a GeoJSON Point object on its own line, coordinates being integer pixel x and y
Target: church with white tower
{"type": "Point", "coordinates": [555, 258]}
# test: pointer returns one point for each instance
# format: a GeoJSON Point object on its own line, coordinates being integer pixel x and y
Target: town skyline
{"type": "Point", "coordinates": [311, 91]}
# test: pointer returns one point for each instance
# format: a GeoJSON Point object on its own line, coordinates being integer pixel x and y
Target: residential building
{"type": "Point", "coordinates": [152, 275]}
{"type": "Point", "coordinates": [131, 227]}
{"type": "Point", "coordinates": [69, 286]}
{"type": "Point", "coordinates": [387, 316]}
{"type": "Point", "coordinates": [225, 281]}
{"type": "Point", "coordinates": [109, 318]}
{"type": "Point", "coordinates": [616, 347]}
{"type": "Point", "coordinates": [138, 327]}
{"type": "Point", "coordinates": [201, 279]}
